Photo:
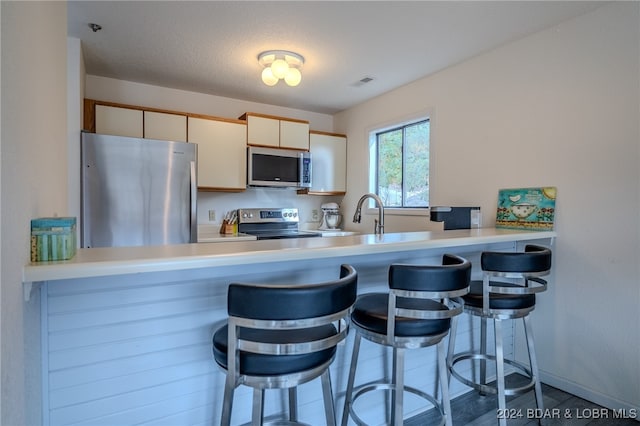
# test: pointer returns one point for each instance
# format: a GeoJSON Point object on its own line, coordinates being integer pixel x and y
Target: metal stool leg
{"type": "Point", "coordinates": [258, 407]}
{"type": "Point", "coordinates": [398, 386]}
{"type": "Point", "coordinates": [502, 403]}
{"type": "Point", "coordinates": [293, 404]}
{"type": "Point", "coordinates": [227, 403]}
{"type": "Point", "coordinates": [528, 330]}
{"type": "Point", "coordinates": [327, 394]}
{"type": "Point", "coordinates": [483, 350]}
{"type": "Point", "coordinates": [452, 346]}
{"type": "Point", "coordinates": [444, 384]}
{"type": "Point", "coordinates": [352, 375]}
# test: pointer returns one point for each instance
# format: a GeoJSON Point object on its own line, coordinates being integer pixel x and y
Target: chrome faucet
{"type": "Point", "coordinates": [379, 223]}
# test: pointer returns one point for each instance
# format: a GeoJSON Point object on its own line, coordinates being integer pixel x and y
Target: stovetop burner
{"type": "Point", "coordinates": [272, 223]}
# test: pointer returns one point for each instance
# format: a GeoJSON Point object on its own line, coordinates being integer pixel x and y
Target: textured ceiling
{"type": "Point", "coordinates": [212, 46]}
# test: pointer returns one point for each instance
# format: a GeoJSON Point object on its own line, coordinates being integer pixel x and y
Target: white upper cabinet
{"type": "Point", "coordinates": [294, 134]}
{"type": "Point", "coordinates": [222, 153]}
{"type": "Point", "coordinates": [328, 163]}
{"type": "Point", "coordinates": [137, 122]}
{"type": "Point", "coordinates": [277, 132]}
{"type": "Point", "coordinates": [164, 126]}
{"type": "Point", "coordinates": [263, 131]}
{"type": "Point", "coordinates": [110, 120]}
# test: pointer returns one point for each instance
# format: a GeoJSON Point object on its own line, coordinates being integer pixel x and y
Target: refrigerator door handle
{"type": "Point", "coordinates": [194, 197]}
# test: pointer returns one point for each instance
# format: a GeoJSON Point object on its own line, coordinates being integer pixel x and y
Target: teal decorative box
{"type": "Point", "coordinates": [53, 238]}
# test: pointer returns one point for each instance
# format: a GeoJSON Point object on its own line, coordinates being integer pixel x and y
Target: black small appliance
{"type": "Point", "coordinates": [456, 217]}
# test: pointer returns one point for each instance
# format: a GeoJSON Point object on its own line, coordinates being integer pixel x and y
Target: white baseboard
{"type": "Point", "coordinates": [587, 393]}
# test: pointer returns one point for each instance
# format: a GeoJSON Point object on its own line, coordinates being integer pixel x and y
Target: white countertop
{"type": "Point", "coordinates": [211, 234]}
{"type": "Point", "coordinates": [225, 238]}
{"type": "Point", "coordinates": [96, 262]}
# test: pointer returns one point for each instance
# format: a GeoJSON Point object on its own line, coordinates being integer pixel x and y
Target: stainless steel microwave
{"type": "Point", "coordinates": [278, 167]}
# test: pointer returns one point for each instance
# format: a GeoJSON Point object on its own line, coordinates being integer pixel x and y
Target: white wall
{"type": "Point", "coordinates": [108, 89]}
{"type": "Point", "coordinates": [75, 113]}
{"type": "Point", "coordinates": [558, 108]}
{"type": "Point", "coordinates": [561, 108]}
{"type": "Point", "coordinates": [34, 182]}
{"type": "Point", "coordinates": [1, 357]}
{"type": "Point", "coordinates": [126, 92]}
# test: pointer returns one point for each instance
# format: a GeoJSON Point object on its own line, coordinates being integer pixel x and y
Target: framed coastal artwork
{"type": "Point", "coordinates": [526, 208]}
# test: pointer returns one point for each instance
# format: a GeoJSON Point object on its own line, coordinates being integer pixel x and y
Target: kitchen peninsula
{"type": "Point", "coordinates": [126, 332]}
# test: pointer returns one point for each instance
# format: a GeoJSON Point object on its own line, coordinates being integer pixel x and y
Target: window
{"type": "Point", "coordinates": [399, 164]}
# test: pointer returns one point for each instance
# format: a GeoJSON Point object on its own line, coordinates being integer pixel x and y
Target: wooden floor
{"type": "Point", "coordinates": [561, 409]}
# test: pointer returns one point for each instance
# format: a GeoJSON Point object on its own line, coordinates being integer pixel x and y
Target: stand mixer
{"type": "Point", "coordinates": [331, 216]}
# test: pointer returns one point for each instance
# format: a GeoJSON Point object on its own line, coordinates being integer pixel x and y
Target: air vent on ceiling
{"type": "Point", "coordinates": [362, 81]}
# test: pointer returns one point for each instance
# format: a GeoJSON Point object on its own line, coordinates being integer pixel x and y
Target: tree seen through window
{"type": "Point", "coordinates": [402, 169]}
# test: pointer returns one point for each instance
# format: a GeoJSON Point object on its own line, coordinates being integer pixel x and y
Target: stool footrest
{"type": "Point", "coordinates": [486, 388]}
{"type": "Point", "coordinates": [358, 392]}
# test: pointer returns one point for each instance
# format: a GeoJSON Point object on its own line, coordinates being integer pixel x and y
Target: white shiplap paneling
{"type": "Point", "coordinates": [136, 349]}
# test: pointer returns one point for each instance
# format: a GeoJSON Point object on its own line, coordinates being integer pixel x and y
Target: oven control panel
{"type": "Point", "coordinates": [268, 215]}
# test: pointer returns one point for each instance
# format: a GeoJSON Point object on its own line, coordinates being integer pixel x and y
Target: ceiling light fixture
{"type": "Point", "coordinates": [281, 65]}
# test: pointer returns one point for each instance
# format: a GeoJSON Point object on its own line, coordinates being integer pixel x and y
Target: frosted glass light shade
{"type": "Point", "coordinates": [279, 67]}
{"type": "Point", "coordinates": [293, 77]}
{"type": "Point", "coordinates": [268, 78]}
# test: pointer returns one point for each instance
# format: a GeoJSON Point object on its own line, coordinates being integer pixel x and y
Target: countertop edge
{"type": "Point", "coordinates": [118, 261]}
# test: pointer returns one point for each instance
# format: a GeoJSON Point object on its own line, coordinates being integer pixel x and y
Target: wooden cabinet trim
{"type": "Point", "coordinates": [90, 104]}
{"type": "Point", "coordinates": [277, 147]}
{"type": "Point", "coordinates": [89, 116]}
{"type": "Point", "coordinates": [214, 118]}
{"type": "Point", "coordinates": [216, 189]}
{"type": "Point", "coordinates": [117, 105]}
{"type": "Point", "coordinates": [90, 108]}
{"type": "Point", "coordinates": [273, 117]}
{"type": "Point", "coordinates": [320, 132]}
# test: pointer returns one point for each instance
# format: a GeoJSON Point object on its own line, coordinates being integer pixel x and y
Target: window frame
{"type": "Point", "coordinates": [371, 135]}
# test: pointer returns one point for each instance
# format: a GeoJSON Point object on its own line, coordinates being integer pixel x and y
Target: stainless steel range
{"type": "Point", "coordinates": [272, 223]}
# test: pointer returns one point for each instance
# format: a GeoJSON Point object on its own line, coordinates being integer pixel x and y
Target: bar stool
{"type": "Point", "coordinates": [280, 336]}
{"type": "Point", "coordinates": [503, 300]}
{"type": "Point", "coordinates": [415, 313]}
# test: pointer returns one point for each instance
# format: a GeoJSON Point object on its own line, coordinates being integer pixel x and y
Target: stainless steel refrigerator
{"type": "Point", "coordinates": [137, 192]}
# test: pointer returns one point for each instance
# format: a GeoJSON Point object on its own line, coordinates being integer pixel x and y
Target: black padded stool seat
{"type": "Point", "coordinates": [498, 300]}
{"type": "Point", "coordinates": [279, 336]}
{"type": "Point", "coordinates": [254, 364]}
{"type": "Point", "coordinates": [536, 259]}
{"type": "Point", "coordinates": [415, 313]}
{"type": "Point", "coordinates": [370, 313]}
{"type": "Point", "coordinates": [510, 281]}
